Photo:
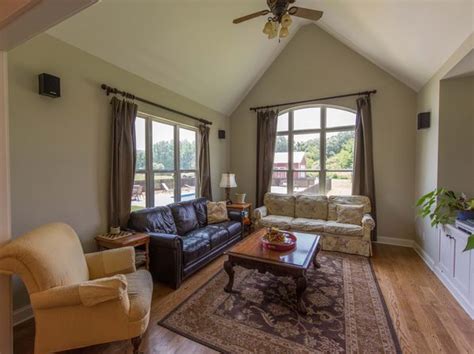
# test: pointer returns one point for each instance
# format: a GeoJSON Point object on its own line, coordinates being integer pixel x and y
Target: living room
{"type": "Point", "coordinates": [178, 136]}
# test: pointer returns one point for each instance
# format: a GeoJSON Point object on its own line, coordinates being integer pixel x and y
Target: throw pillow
{"type": "Point", "coordinates": [349, 214]}
{"type": "Point", "coordinates": [216, 212]}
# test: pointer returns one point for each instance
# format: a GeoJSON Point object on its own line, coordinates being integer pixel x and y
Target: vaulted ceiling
{"type": "Point", "coordinates": [192, 48]}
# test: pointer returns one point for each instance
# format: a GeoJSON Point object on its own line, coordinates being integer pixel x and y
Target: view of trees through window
{"type": "Point", "coordinates": [320, 143]}
{"type": "Point", "coordinates": [165, 165]}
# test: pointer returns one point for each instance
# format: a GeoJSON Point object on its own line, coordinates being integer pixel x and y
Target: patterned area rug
{"type": "Point", "coordinates": [346, 312]}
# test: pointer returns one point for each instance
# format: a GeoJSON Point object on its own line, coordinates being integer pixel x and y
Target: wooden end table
{"type": "Point", "coordinates": [243, 207]}
{"type": "Point", "coordinates": [135, 240]}
{"type": "Point", "coordinates": [250, 254]}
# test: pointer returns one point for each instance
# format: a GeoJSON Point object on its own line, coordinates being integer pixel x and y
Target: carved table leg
{"type": "Point", "coordinates": [229, 269]}
{"type": "Point", "coordinates": [301, 284]}
{"type": "Point", "coordinates": [315, 260]}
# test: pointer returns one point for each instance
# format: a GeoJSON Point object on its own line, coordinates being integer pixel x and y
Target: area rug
{"type": "Point", "coordinates": [345, 312]}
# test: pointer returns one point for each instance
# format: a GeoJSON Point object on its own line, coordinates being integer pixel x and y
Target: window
{"type": "Point", "coordinates": [166, 163]}
{"type": "Point", "coordinates": [314, 151]}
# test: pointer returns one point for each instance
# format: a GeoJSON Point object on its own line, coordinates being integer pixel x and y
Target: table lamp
{"type": "Point", "coordinates": [228, 182]}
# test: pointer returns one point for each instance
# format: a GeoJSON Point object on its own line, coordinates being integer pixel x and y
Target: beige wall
{"type": "Point", "coordinates": [60, 147]}
{"type": "Point", "coordinates": [456, 135]}
{"type": "Point", "coordinates": [315, 64]}
{"type": "Point", "coordinates": [5, 217]}
{"type": "Point", "coordinates": [427, 146]}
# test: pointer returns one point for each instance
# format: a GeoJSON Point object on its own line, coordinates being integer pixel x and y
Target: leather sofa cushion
{"type": "Point", "coordinates": [184, 216]}
{"type": "Point", "coordinates": [311, 206]}
{"type": "Point", "coordinates": [233, 227]}
{"type": "Point", "coordinates": [281, 222]}
{"type": "Point", "coordinates": [280, 204]}
{"type": "Point", "coordinates": [140, 291]}
{"type": "Point", "coordinates": [309, 225]}
{"type": "Point", "coordinates": [196, 244]}
{"type": "Point", "coordinates": [159, 219]}
{"type": "Point", "coordinates": [200, 207]}
{"type": "Point", "coordinates": [336, 228]}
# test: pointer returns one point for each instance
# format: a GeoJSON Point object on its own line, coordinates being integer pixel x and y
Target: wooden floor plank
{"type": "Point", "coordinates": [426, 317]}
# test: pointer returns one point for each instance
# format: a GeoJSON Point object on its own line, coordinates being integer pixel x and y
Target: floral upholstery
{"type": "Point", "coordinates": [311, 206]}
{"type": "Point", "coordinates": [280, 204]}
{"type": "Point", "coordinates": [334, 200]}
{"type": "Point", "coordinates": [294, 213]}
{"type": "Point", "coordinates": [350, 214]}
{"type": "Point", "coordinates": [279, 221]}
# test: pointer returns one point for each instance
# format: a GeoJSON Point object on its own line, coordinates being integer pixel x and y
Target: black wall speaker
{"type": "Point", "coordinates": [221, 134]}
{"type": "Point", "coordinates": [49, 85]}
{"type": "Point", "coordinates": [424, 120]}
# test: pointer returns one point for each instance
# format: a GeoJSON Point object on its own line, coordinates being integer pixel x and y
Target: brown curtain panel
{"type": "Point", "coordinates": [123, 156]}
{"type": "Point", "coordinates": [266, 141]}
{"type": "Point", "coordinates": [204, 179]}
{"type": "Point", "coordinates": [364, 183]}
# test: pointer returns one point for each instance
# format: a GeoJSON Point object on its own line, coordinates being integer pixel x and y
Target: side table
{"type": "Point", "coordinates": [138, 240]}
{"type": "Point", "coordinates": [246, 211]}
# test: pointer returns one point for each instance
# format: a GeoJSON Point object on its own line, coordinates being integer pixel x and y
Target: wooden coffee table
{"type": "Point", "coordinates": [250, 254]}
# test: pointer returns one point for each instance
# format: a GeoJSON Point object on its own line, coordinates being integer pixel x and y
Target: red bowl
{"type": "Point", "coordinates": [280, 246]}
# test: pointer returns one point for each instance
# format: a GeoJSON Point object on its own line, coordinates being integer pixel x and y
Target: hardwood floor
{"type": "Point", "coordinates": [426, 317]}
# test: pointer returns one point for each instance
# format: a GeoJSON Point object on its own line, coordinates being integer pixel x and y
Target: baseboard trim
{"type": "Point", "coordinates": [424, 256]}
{"type": "Point", "coordinates": [22, 314]}
{"type": "Point", "coordinates": [394, 241]}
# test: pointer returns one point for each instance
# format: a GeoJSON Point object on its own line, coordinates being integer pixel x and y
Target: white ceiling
{"type": "Point", "coordinates": [192, 48]}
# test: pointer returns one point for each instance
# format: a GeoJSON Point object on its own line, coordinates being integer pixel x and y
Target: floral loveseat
{"type": "Point", "coordinates": [318, 214]}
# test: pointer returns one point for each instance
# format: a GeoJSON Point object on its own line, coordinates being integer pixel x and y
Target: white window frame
{"type": "Point", "coordinates": [322, 131]}
{"type": "Point", "coordinates": [150, 172]}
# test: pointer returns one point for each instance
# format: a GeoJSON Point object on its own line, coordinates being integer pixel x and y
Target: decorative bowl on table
{"type": "Point", "coordinates": [278, 240]}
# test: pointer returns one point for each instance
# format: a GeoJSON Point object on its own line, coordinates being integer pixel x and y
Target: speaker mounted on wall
{"type": "Point", "coordinates": [49, 85]}
{"type": "Point", "coordinates": [424, 120]}
{"type": "Point", "coordinates": [221, 134]}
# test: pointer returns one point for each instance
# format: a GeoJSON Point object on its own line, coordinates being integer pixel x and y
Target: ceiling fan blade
{"type": "Point", "coordinates": [249, 17]}
{"type": "Point", "coordinates": [309, 14]}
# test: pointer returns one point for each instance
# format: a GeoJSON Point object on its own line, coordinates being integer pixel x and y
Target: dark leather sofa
{"type": "Point", "coordinates": [181, 241]}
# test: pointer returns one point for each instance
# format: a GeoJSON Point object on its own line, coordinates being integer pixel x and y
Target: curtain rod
{"type": "Point", "coordinates": [113, 90]}
{"type": "Point", "coordinates": [363, 93]}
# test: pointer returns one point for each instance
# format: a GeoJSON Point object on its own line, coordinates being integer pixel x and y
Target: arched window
{"type": "Point", "coordinates": [314, 151]}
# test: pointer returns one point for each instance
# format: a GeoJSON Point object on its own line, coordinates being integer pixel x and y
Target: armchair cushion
{"type": "Point", "coordinates": [308, 225]}
{"type": "Point", "coordinates": [88, 293]}
{"type": "Point", "coordinates": [159, 219]}
{"type": "Point", "coordinates": [185, 217]}
{"type": "Point", "coordinates": [111, 262]}
{"type": "Point", "coordinates": [195, 245]}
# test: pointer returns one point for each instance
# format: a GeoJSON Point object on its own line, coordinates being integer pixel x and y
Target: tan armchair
{"type": "Point", "coordinates": [79, 299]}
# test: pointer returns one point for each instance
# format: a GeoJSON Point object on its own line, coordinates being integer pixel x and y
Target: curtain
{"type": "Point", "coordinates": [364, 183]}
{"type": "Point", "coordinates": [204, 179]}
{"type": "Point", "coordinates": [123, 156]}
{"type": "Point", "coordinates": [266, 141]}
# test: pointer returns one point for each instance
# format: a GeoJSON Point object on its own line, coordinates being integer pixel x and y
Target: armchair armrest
{"type": "Point", "coordinates": [166, 258]}
{"type": "Point", "coordinates": [368, 222]}
{"type": "Point", "coordinates": [88, 293]}
{"type": "Point", "coordinates": [111, 262]}
{"type": "Point", "coordinates": [161, 240]}
{"type": "Point", "coordinates": [261, 212]}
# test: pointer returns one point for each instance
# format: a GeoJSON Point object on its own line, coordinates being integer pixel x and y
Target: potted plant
{"type": "Point", "coordinates": [443, 207]}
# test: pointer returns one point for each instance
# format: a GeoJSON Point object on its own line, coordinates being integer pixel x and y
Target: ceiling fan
{"type": "Point", "coordinates": [280, 19]}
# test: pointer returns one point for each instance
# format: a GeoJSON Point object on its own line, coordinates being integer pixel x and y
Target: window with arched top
{"type": "Point", "coordinates": [314, 151]}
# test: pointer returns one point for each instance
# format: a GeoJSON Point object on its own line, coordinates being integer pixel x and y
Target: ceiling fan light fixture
{"type": "Point", "coordinates": [274, 32]}
{"type": "Point", "coordinates": [268, 28]}
{"type": "Point", "coordinates": [286, 20]}
{"type": "Point", "coordinates": [284, 32]}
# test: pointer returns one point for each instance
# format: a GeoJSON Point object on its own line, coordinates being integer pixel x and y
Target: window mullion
{"type": "Point", "coordinates": [322, 153]}
{"type": "Point", "coordinates": [177, 173]}
{"type": "Point", "coordinates": [289, 176]}
{"type": "Point", "coordinates": [149, 175]}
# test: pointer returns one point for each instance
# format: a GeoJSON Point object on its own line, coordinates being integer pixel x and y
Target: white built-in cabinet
{"type": "Point", "coordinates": [456, 267]}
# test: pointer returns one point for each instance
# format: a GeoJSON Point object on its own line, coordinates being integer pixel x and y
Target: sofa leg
{"type": "Point", "coordinates": [136, 341]}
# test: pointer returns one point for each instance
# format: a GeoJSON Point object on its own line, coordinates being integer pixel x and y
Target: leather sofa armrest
{"type": "Point", "coordinates": [88, 293]}
{"type": "Point", "coordinates": [235, 215]}
{"type": "Point", "coordinates": [165, 240]}
{"type": "Point", "coordinates": [110, 262]}
{"type": "Point", "coordinates": [368, 222]}
{"type": "Point", "coordinates": [261, 212]}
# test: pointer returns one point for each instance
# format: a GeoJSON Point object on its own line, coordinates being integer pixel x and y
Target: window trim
{"type": "Point", "coordinates": [322, 131]}
{"type": "Point", "coordinates": [177, 172]}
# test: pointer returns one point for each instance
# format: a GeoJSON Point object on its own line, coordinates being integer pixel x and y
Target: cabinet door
{"type": "Point", "coordinates": [462, 265]}
{"type": "Point", "coordinates": [446, 253]}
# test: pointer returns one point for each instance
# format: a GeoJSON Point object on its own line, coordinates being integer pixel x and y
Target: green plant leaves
{"type": "Point", "coordinates": [470, 243]}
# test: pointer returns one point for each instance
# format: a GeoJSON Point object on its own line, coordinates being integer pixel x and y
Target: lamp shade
{"type": "Point", "coordinates": [228, 181]}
